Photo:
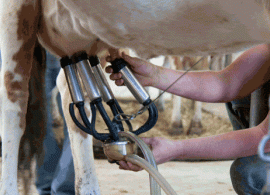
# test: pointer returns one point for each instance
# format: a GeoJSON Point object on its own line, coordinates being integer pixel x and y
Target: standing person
{"type": "Point", "coordinates": [242, 77]}
{"type": "Point", "coordinates": [55, 175]}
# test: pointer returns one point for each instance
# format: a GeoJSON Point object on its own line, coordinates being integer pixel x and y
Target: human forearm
{"type": "Point", "coordinates": [242, 77]}
{"type": "Point", "coordinates": [200, 85]}
{"type": "Point", "coordinates": [229, 146]}
{"type": "Point", "coordinates": [225, 146]}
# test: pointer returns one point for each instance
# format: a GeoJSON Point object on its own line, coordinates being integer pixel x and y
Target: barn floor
{"type": "Point", "coordinates": [186, 178]}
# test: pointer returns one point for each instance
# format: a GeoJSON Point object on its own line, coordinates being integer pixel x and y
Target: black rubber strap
{"type": "Point", "coordinates": [79, 56]}
{"type": "Point", "coordinates": [118, 64]}
{"type": "Point", "coordinates": [65, 61]}
{"type": "Point", "coordinates": [94, 61]}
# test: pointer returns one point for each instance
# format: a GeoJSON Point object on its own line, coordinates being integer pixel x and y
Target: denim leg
{"type": "Point", "coordinates": [45, 172]}
{"type": "Point", "coordinates": [64, 177]}
{"type": "Point", "coordinates": [238, 111]}
{"type": "Point", "coordinates": [52, 152]}
{"type": "Point", "coordinates": [56, 173]}
{"type": "Point", "coordinates": [248, 174]}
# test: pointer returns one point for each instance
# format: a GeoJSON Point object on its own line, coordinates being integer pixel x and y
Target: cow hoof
{"type": "Point", "coordinates": [195, 128]}
{"type": "Point", "coordinates": [176, 128]}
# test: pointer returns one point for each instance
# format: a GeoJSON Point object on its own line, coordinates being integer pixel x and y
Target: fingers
{"type": "Point", "coordinates": [109, 69]}
{"type": "Point", "coordinates": [129, 166]}
{"type": "Point", "coordinates": [133, 61]}
{"type": "Point", "coordinates": [126, 57]}
{"type": "Point", "coordinates": [119, 82]}
{"type": "Point", "coordinates": [117, 77]}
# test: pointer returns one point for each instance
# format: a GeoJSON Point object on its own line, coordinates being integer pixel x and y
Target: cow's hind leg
{"type": "Point", "coordinates": [19, 19]}
{"type": "Point", "coordinates": [160, 103]}
{"type": "Point", "coordinates": [196, 124]}
{"type": "Point", "coordinates": [86, 182]}
{"type": "Point", "coordinates": [176, 120]}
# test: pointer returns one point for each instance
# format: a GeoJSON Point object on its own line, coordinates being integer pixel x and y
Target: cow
{"type": "Point", "coordinates": [151, 28]}
{"type": "Point", "coordinates": [195, 126]}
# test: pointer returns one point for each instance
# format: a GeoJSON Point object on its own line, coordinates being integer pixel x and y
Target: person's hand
{"type": "Point", "coordinates": [161, 149]}
{"type": "Point", "coordinates": [143, 70]}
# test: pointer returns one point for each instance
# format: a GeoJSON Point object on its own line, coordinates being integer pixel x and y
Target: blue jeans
{"type": "Point", "coordinates": [56, 174]}
{"type": "Point", "coordinates": [248, 174]}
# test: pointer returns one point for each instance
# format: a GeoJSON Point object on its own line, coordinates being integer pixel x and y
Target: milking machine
{"type": "Point", "coordinates": [85, 72]}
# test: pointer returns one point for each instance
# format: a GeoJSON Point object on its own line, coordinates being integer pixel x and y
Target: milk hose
{"type": "Point", "coordinates": [152, 171]}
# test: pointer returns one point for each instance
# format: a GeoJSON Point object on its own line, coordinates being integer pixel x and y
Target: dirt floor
{"type": "Point", "coordinates": [185, 177]}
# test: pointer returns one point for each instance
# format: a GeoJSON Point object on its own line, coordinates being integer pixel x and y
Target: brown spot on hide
{"type": "Point", "coordinates": [22, 116]}
{"type": "Point", "coordinates": [12, 86]}
{"type": "Point", "coordinates": [16, 91]}
{"type": "Point", "coordinates": [28, 18]}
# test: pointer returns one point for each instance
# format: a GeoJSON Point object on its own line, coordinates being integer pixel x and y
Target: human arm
{"type": "Point", "coordinates": [242, 77]}
{"type": "Point", "coordinates": [229, 145]}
